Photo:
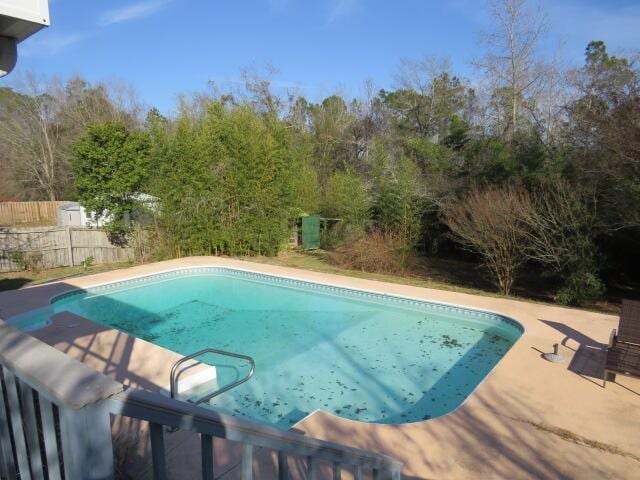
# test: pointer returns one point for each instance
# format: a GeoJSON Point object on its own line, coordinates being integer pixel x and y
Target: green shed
{"type": "Point", "coordinates": [311, 232]}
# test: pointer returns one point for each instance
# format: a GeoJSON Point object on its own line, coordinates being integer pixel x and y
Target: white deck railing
{"type": "Point", "coordinates": [55, 422]}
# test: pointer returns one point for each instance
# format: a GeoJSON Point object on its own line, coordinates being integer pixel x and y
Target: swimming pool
{"type": "Point", "coordinates": [361, 355]}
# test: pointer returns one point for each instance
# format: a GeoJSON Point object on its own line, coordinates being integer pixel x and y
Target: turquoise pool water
{"type": "Point", "coordinates": [363, 356]}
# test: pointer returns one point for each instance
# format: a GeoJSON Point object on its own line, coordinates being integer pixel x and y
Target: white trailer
{"type": "Point", "coordinates": [19, 19]}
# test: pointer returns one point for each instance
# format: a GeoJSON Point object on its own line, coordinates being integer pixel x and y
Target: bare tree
{"type": "Point", "coordinates": [515, 74]}
{"type": "Point", "coordinates": [489, 222]}
{"type": "Point", "coordinates": [561, 226]}
{"type": "Point", "coordinates": [258, 90]}
{"type": "Point", "coordinates": [332, 123]}
{"type": "Point", "coordinates": [84, 104]}
{"type": "Point", "coordinates": [368, 121]}
{"type": "Point", "coordinates": [430, 95]}
{"type": "Point", "coordinates": [41, 119]}
{"type": "Point", "coordinates": [29, 129]}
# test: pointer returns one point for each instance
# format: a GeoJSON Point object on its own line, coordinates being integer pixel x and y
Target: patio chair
{"type": "Point", "coordinates": [629, 326]}
{"type": "Point", "coordinates": [623, 353]}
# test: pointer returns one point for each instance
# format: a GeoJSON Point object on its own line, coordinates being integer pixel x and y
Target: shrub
{"type": "Point", "coordinates": [346, 197]}
{"type": "Point", "coordinates": [111, 165]}
{"type": "Point", "coordinates": [490, 223]}
{"type": "Point", "coordinates": [306, 182]}
{"type": "Point", "coordinates": [87, 263]}
{"type": "Point", "coordinates": [562, 226]}
{"type": "Point", "coordinates": [28, 261]}
{"type": "Point", "coordinates": [334, 235]}
{"type": "Point", "coordinates": [226, 185]}
{"type": "Point", "coordinates": [146, 243]}
{"type": "Point", "coordinates": [373, 252]}
{"type": "Point", "coordinates": [397, 205]}
{"type": "Point", "coordinates": [579, 288]}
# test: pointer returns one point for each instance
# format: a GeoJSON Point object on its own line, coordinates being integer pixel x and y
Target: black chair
{"type": "Point", "coordinates": [623, 353]}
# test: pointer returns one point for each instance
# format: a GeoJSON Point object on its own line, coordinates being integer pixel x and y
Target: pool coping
{"type": "Point", "coordinates": [488, 435]}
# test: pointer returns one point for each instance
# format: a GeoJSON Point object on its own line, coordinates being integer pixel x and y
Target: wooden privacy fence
{"type": "Point", "coordinates": [38, 213]}
{"type": "Point", "coordinates": [56, 420]}
{"type": "Point", "coordinates": [51, 247]}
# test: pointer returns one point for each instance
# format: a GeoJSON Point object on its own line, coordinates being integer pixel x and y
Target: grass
{"type": "Point", "coordinates": [317, 261]}
{"type": "Point", "coordinates": [13, 280]}
{"type": "Point", "coordinates": [439, 273]}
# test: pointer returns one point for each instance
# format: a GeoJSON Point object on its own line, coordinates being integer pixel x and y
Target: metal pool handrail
{"type": "Point", "coordinates": [173, 381]}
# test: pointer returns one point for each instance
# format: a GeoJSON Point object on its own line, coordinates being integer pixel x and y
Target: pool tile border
{"type": "Point", "coordinates": [436, 307]}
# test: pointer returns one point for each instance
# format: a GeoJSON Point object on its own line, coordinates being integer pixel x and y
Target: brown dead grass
{"type": "Point", "coordinates": [375, 252]}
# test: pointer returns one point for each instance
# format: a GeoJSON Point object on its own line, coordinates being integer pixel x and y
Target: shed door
{"type": "Point", "coordinates": [73, 218]}
{"type": "Point", "coordinates": [311, 232]}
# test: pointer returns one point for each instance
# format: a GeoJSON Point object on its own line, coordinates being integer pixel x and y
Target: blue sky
{"type": "Point", "coordinates": [166, 47]}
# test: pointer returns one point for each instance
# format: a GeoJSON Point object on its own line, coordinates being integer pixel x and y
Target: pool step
{"type": "Point", "coordinates": [195, 385]}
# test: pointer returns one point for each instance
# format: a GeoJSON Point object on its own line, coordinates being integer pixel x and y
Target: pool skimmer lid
{"type": "Point", "coordinates": [554, 356]}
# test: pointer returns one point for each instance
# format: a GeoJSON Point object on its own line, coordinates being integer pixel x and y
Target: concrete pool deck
{"type": "Point", "coordinates": [529, 419]}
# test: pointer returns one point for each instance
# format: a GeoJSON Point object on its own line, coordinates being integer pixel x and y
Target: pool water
{"type": "Point", "coordinates": [363, 356]}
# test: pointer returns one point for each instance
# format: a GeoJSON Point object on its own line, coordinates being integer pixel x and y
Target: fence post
{"type": "Point", "coordinates": [388, 473]}
{"type": "Point", "coordinates": [69, 246]}
{"type": "Point", "coordinates": [87, 446]}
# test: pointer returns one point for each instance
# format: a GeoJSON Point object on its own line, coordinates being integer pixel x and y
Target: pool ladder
{"type": "Point", "coordinates": [173, 381]}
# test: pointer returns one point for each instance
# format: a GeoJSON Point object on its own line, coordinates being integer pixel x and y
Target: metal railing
{"type": "Point", "coordinates": [55, 422]}
{"type": "Point", "coordinates": [173, 380]}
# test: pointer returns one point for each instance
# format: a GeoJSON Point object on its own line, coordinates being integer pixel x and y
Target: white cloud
{"type": "Point", "coordinates": [342, 8]}
{"type": "Point", "coordinates": [132, 12]}
{"type": "Point", "coordinates": [48, 44]}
